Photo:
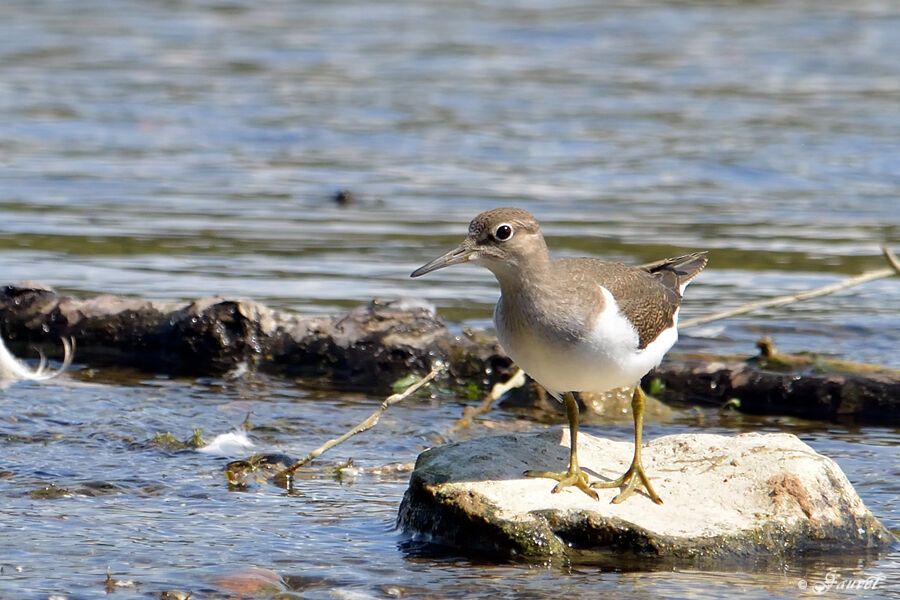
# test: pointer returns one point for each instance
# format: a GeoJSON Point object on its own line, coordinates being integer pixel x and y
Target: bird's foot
{"type": "Point", "coordinates": [629, 479]}
{"type": "Point", "coordinates": [573, 477]}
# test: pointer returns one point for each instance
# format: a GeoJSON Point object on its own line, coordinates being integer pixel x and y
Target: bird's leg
{"type": "Point", "coordinates": [636, 471]}
{"type": "Point", "coordinates": [574, 476]}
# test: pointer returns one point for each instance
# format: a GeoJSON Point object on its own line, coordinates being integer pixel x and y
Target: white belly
{"type": "Point", "coordinates": [606, 359]}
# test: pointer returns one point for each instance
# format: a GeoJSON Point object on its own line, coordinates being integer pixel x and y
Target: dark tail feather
{"type": "Point", "coordinates": [677, 272]}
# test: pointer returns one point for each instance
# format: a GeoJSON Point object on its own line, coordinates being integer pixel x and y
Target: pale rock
{"type": "Point", "coordinates": [724, 498]}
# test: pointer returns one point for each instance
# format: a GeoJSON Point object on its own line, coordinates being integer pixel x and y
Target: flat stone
{"type": "Point", "coordinates": [725, 498]}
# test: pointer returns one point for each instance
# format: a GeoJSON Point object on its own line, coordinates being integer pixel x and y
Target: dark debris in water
{"type": "Point", "coordinates": [98, 488]}
{"type": "Point", "coordinates": [90, 489]}
{"type": "Point", "coordinates": [251, 581]}
{"type": "Point", "coordinates": [264, 469]}
{"type": "Point", "coordinates": [50, 492]}
{"type": "Point", "coordinates": [167, 442]}
{"type": "Point", "coordinates": [113, 584]}
{"type": "Point", "coordinates": [258, 468]}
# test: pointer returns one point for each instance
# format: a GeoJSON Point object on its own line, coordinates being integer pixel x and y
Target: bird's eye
{"type": "Point", "coordinates": [503, 232]}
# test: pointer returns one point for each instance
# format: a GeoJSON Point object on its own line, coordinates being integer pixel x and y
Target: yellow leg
{"type": "Point", "coordinates": [636, 471]}
{"type": "Point", "coordinates": [574, 475]}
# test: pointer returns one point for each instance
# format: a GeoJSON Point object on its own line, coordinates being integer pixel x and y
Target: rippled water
{"type": "Point", "coordinates": [175, 149]}
{"type": "Point", "coordinates": [166, 520]}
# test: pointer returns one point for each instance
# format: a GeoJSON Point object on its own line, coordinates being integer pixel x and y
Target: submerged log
{"type": "Point", "coordinates": [775, 383]}
{"type": "Point", "coordinates": [373, 345]}
{"type": "Point", "coordinates": [738, 499]}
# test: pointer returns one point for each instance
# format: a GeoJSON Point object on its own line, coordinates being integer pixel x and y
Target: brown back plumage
{"type": "Point", "coordinates": [648, 295]}
{"type": "Point", "coordinates": [654, 311]}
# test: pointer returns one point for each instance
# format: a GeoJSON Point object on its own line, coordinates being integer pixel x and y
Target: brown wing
{"type": "Point", "coordinates": [648, 295]}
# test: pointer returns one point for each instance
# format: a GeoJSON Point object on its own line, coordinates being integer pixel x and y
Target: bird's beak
{"type": "Point", "coordinates": [462, 253]}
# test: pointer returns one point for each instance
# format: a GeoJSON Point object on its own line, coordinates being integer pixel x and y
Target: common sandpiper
{"type": "Point", "coordinates": [577, 324]}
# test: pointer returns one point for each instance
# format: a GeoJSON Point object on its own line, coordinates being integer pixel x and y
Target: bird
{"type": "Point", "coordinates": [577, 324]}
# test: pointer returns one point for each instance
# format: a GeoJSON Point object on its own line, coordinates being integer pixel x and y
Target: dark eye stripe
{"type": "Point", "coordinates": [503, 232]}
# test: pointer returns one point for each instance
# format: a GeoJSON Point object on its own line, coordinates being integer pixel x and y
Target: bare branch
{"type": "Point", "coordinates": [791, 298]}
{"type": "Point", "coordinates": [891, 258]}
{"type": "Point", "coordinates": [469, 412]}
{"type": "Point", "coordinates": [370, 422]}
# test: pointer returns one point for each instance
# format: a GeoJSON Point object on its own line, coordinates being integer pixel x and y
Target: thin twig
{"type": "Point", "coordinates": [790, 298]}
{"type": "Point", "coordinates": [891, 258]}
{"type": "Point", "coordinates": [370, 422]}
{"type": "Point", "coordinates": [469, 412]}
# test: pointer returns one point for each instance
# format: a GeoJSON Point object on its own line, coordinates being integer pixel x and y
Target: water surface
{"type": "Point", "coordinates": [183, 149]}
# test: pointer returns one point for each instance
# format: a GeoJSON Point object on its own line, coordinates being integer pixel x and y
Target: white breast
{"type": "Point", "coordinates": [608, 358]}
